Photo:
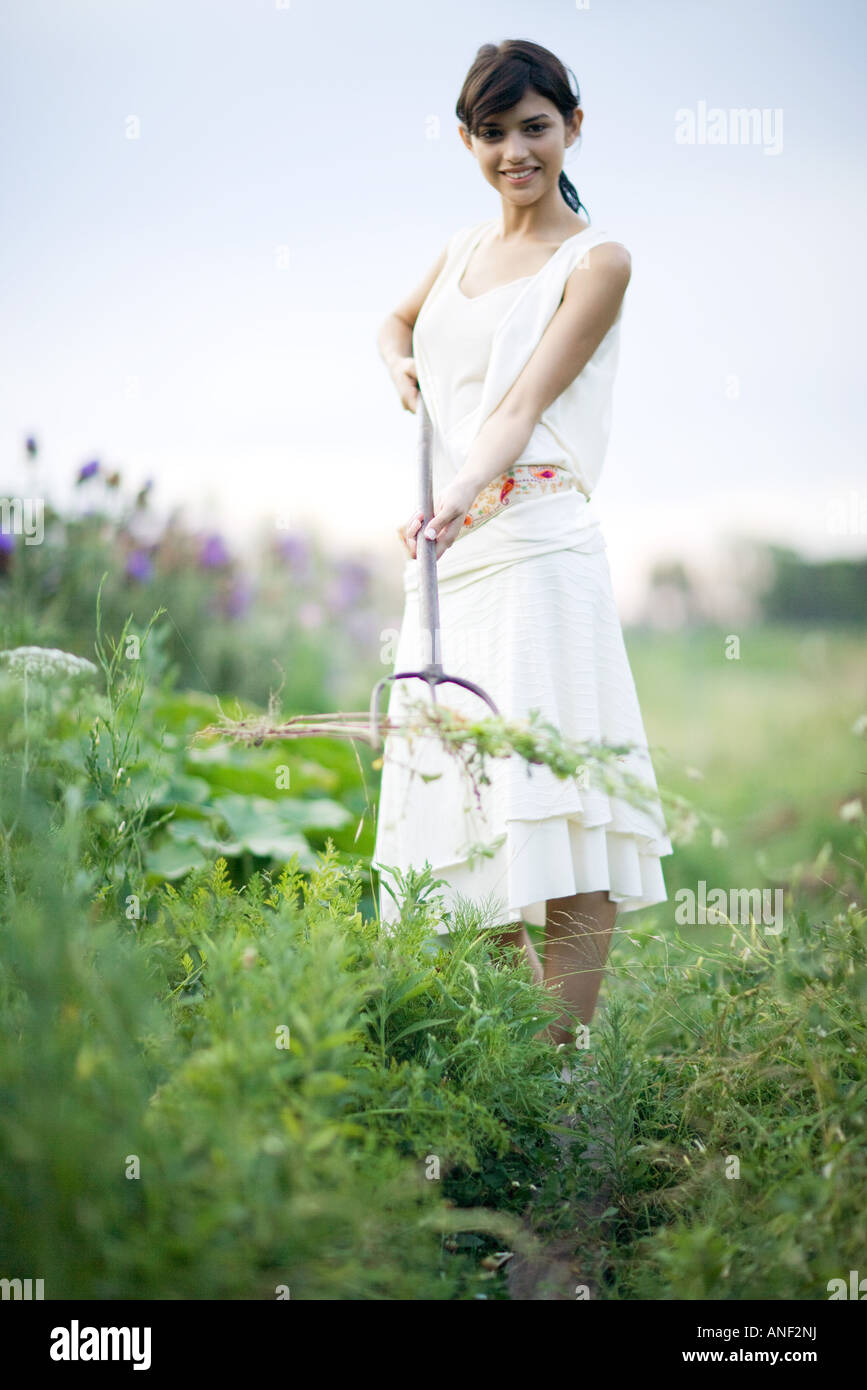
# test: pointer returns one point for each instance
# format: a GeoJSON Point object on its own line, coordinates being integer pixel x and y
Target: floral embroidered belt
{"type": "Point", "coordinates": [523, 482]}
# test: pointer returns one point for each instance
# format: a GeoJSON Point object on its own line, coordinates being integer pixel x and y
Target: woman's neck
{"type": "Point", "coordinates": [541, 223]}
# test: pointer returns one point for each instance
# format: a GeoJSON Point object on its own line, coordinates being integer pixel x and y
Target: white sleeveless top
{"type": "Point", "coordinates": [468, 352]}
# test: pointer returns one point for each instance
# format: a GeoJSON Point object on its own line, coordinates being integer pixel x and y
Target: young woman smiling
{"type": "Point", "coordinates": [513, 338]}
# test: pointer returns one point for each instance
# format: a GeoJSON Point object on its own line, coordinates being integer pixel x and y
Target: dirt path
{"type": "Point", "coordinates": [559, 1272]}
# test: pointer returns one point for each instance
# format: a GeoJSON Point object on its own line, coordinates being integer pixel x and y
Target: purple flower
{"type": "Point", "coordinates": [7, 545]}
{"type": "Point", "coordinates": [238, 599]}
{"type": "Point", "coordinates": [31, 446]}
{"type": "Point", "coordinates": [351, 582]}
{"type": "Point", "coordinates": [213, 553]}
{"type": "Point", "coordinates": [295, 550]}
{"type": "Point", "coordinates": [87, 470]}
{"type": "Point", "coordinates": [139, 565]}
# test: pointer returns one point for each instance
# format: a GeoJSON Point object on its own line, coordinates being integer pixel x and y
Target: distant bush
{"type": "Point", "coordinates": [823, 591]}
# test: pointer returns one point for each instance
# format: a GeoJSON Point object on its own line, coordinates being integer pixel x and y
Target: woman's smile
{"type": "Point", "coordinates": [520, 175]}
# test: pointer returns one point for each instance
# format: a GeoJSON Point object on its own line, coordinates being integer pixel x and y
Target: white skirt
{"type": "Point", "coordinates": [527, 611]}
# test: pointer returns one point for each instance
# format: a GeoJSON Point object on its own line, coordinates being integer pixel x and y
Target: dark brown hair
{"type": "Point", "coordinates": [499, 77]}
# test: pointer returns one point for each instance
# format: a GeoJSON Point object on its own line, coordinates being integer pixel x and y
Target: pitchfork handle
{"type": "Point", "coordinates": [429, 608]}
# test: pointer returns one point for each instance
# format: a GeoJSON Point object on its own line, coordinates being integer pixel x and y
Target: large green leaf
{"type": "Point", "coordinates": [265, 838]}
{"type": "Point", "coordinates": [171, 861]}
{"type": "Point", "coordinates": [186, 831]}
{"type": "Point", "coordinates": [248, 815]}
{"type": "Point", "coordinates": [256, 773]}
{"type": "Point", "coordinates": [177, 790]}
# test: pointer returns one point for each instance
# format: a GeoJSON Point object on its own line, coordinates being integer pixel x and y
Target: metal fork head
{"type": "Point", "coordinates": [432, 676]}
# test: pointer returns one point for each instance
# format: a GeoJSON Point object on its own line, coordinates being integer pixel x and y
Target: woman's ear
{"type": "Point", "coordinates": [573, 126]}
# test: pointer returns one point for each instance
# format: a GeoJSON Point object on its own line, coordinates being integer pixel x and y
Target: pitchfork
{"type": "Point", "coordinates": [429, 610]}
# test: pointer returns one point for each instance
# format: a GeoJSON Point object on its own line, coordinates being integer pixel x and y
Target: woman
{"type": "Point", "coordinates": [512, 338]}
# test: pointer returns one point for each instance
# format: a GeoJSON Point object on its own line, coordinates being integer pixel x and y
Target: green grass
{"type": "Point", "coordinates": [770, 735]}
{"type": "Point", "coordinates": [408, 1133]}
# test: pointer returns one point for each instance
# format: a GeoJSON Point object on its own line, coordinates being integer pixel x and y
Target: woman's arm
{"type": "Point", "coordinates": [394, 338]}
{"type": "Point", "coordinates": [394, 341]}
{"type": "Point", "coordinates": [590, 304]}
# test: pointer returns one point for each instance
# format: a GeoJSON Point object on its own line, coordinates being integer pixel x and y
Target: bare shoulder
{"type": "Point", "coordinates": [603, 272]}
{"type": "Point", "coordinates": [613, 260]}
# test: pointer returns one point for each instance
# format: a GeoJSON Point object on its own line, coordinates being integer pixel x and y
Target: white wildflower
{"type": "Point", "coordinates": [45, 662]}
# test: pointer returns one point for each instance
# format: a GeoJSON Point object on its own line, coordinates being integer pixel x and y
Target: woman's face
{"type": "Point", "coordinates": [530, 136]}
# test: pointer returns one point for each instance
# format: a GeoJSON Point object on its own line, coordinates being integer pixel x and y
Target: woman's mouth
{"type": "Point", "coordinates": [520, 175]}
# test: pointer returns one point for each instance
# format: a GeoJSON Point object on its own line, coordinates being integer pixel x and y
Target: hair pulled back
{"type": "Point", "coordinates": [499, 77]}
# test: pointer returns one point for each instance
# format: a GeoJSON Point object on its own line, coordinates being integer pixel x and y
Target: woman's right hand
{"type": "Point", "coordinates": [405, 378]}
{"type": "Point", "coordinates": [408, 532]}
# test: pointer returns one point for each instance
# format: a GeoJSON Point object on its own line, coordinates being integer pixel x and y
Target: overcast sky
{"type": "Point", "coordinates": [199, 304]}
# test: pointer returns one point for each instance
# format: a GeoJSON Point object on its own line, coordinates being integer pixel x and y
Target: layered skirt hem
{"type": "Point", "coordinates": [540, 860]}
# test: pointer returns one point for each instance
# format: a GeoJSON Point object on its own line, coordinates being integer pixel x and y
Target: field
{"type": "Point", "coordinates": [219, 1078]}
{"type": "Point", "coordinates": [771, 736]}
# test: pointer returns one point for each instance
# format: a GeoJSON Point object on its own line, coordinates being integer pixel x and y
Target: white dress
{"type": "Point", "coordinates": [527, 612]}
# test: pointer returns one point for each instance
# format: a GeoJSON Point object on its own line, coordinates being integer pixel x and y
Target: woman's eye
{"type": "Point", "coordinates": [495, 133]}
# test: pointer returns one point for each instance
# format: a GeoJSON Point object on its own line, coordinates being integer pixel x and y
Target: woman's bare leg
{"type": "Point", "coordinates": [519, 936]}
{"type": "Point", "coordinates": [577, 939]}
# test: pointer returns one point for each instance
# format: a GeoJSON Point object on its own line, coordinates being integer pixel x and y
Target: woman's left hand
{"type": "Point", "coordinates": [450, 511]}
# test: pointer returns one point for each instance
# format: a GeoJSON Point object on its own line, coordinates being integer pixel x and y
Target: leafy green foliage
{"type": "Point", "coordinates": [227, 1079]}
